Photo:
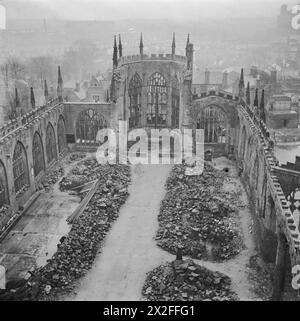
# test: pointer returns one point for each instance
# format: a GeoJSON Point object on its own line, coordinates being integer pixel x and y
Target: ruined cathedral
{"type": "Point", "coordinates": [155, 91]}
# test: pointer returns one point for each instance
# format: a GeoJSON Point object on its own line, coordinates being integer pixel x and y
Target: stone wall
{"type": "Point", "coordinates": [271, 212]}
{"type": "Point", "coordinates": [72, 111]}
{"type": "Point", "coordinates": [37, 121]}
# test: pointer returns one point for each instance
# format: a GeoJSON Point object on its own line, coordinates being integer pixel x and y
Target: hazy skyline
{"type": "Point", "coordinates": [127, 9]}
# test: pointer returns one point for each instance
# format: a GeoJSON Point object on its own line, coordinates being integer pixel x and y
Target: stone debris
{"type": "Point", "coordinates": [197, 216]}
{"type": "Point", "coordinates": [51, 177]}
{"type": "Point", "coordinates": [84, 172]}
{"type": "Point", "coordinates": [187, 281]}
{"type": "Point", "coordinates": [76, 157]}
{"type": "Point", "coordinates": [77, 251]}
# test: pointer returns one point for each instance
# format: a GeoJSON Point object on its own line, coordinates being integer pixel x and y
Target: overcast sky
{"type": "Point", "coordinates": [176, 9]}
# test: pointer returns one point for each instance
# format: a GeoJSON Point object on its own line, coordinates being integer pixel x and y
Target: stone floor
{"type": "Point", "coordinates": [34, 238]}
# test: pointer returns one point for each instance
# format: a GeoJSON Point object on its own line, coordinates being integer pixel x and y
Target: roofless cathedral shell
{"type": "Point", "coordinates": [152, 90]}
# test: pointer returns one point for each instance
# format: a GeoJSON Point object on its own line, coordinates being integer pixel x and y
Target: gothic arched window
{"type": "Point", "coordinates": [214, 122]}
{"type": "Point", "coordinates": [50, 144]}
{"type": "Point", "coordinates": [38, 154]}
{"type": "Point", "coordinates": [88, 124]}
{"type": "Point", "coordinates": [135, 97]}
{"type": "Point", "coordinates": [61, 134]}
{"type": "Point", "coordinates": [157, 100]}
{"type": "Point", "coordinates": [20, 169]}
{"type": "Point", "coordinates": [175, 99]}
{"type": "Point", "coordinates": [4, 199]}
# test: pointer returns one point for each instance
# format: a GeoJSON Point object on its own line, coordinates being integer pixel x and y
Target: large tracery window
{"type": "Point", "coordinates": [38, 154]}
{"type": "Point", "coordinates": [50, 144]}
{"type": "Point", "coordinates": [175, 98]}
{"type": "Point", "coordinates": [135, 97]}
{"type": "Point", "coordinates": [88, 124]}
{"type": "Point", "coordinates": [214, 123]}
{"type": "Point", "coordinates": [61, 134]}
{"type": "Point", "coordinates": [20, 169]}
{"type": "Point", "coordinates": [4, 199]}
{"type": "Point", "coordinates": [157, 100]}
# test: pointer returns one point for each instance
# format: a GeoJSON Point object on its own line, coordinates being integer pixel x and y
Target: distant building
{"type": "Point", "coordinates": [94, 90]}
{"type": "Point", "coordinates": [282, 112]}
{"type": "Point", "coordinates": [97, 89]}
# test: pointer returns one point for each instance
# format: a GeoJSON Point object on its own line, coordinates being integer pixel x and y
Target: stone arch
{"type": "Point", "coordinates": [88, 123]}
{"type": "Point", "coordinates": [4, 195]}
{"type": "Point", "coordinates": [61, 134]}
{"type": "Point", "coordinates": [243, 143]}
{"type": "Point", "coordinates": [157, 100]}
{"type": "Point", "coordinates": [38, 154]}
{"type": "Point", "coordinates": [263, 203]}
{"type": "Point", "coordinates": [272, 217]}
{"type": "Point", "coordinates": [214, 121]}
{"type": "Point", "coordinates": [20, 169]}
{"type": "Point", "coordinates": [135, 100]}
{"type": "Point", "coordinates": [51, 148]}
{"type": "Point", "coordinates": [255, 172]}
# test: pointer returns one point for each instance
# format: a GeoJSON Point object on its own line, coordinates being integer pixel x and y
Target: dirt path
{"type": "Point", "coordinates": [130, 250]}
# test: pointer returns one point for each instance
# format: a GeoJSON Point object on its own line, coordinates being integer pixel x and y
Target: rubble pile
{"type": "Point", "coordinates": [198, 216]}
{"type": "Point", "coordinates": [74, 157]}
{"type": "Point", "coordinates": [84, 172]}
{"type": "Point", "coordinates": [51, 177]}
{"type": "Point", "coordinates": [77, 251]}
{"type": "Point", "coordinates": [187, 281]}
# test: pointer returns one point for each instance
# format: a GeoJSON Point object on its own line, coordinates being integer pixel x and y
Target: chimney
{"type": "Point", "coordinates": [273, 76]}
{"type": "Point", "coordinates": [225, 79]}
{"type": "Point", "coordinates": [207, 76]}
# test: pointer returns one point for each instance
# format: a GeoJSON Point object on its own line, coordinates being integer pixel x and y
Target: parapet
{"type": "Point", "coordinates": [14, 124]}
{"type": "Point", "coordinates": [138, 58]}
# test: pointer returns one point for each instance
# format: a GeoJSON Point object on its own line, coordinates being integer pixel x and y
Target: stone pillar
{"type": "Point", "coordinates": [280, 268]}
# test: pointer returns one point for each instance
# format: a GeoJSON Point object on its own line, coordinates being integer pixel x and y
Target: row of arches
{"type": "Point", "coordinates": [157, 91]}
{"type": "Point", "coordinates": [20, 164]}
{"type": "Point", "coordinates": [255, 167]}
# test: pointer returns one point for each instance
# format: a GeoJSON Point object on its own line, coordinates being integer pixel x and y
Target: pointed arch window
{"type": "Point", "coordinates": [175, 100]}
{"type": "Point", "coordinates": [50, 144]}
{"type": "Point", "coordinates": [20, 169]}
{"type": "Point", "coordinates": [88, 123]}
{"type": "Point", "coordinates": [135, 97]}
{"type": "Point", "coordinates": [38, 154]}
{"type": "Point", "coordinates": [61, 134]}
{"type": "Point", "coordinates": [4, 199]}
{"type": "Point", "coordinates": [214, 123]}
{"type": "Point", "coordinates": [157, 100]}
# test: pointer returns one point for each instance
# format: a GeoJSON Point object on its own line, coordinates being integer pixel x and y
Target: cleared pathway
{"type": "Point", "coordinates": [130, 250]}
